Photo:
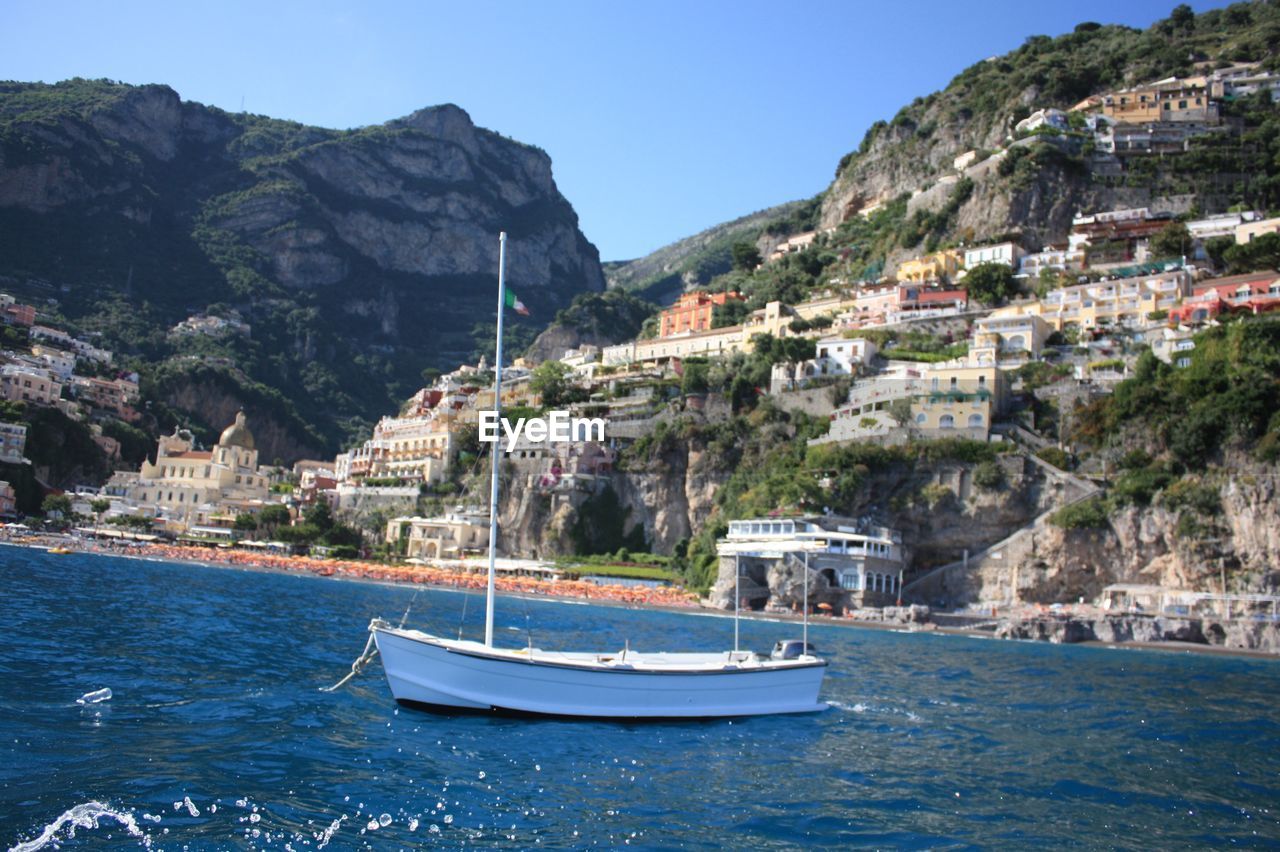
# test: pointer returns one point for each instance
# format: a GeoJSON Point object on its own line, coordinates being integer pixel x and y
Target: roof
{"type": "Point", "coordinates": [237, 434]}
{"type": "Point", "coordinates": [190, 454]}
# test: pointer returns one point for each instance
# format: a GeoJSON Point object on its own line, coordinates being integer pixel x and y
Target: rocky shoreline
{"type": "Point", "coordinates": [1227, 634]}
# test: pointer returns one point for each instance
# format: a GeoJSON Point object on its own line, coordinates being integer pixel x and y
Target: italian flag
{"type": "Point", "coordinates": [513, 302]}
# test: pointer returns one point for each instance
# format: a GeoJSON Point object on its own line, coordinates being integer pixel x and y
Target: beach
{"type": "Point", "coordinates": [459, 576]}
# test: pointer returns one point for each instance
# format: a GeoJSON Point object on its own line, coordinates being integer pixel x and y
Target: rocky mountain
{"type": "Point", "coordinates": [899, 193]}
{"type": "Point", "coordinates": [357, 258]}
{"type": "Point", "coordinates": [693, 261]}
{"type": "Point", "coordinates": [595, 319]}
{"type": "Point", "coordinates": [1033, 189]}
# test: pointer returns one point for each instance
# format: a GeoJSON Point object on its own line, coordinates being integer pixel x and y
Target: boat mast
{"type": "Point", "coordinates": [737, 572]}
{"type": "Point", "coordinates": [497, 446]}
{"type": "Point", "coordinates": [804, 636]}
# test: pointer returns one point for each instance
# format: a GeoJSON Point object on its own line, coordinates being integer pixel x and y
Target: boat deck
{"type": "Point", "coordinates": [626, 659]}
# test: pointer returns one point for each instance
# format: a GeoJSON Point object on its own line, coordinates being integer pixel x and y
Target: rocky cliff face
{"type": "Point", "coordinates": [937, 507]}
{"type": "Point", "coordinates": [1148, 545]}
{"type": "Point", "coordinates": [380, 242]}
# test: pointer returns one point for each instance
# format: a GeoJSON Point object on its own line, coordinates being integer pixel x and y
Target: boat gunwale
{"type": "Point", "coordinates": [504, 656]}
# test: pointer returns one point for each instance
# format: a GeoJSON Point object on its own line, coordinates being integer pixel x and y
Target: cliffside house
{"type": "Point", "coordinates": [939, 266]}
{"type": "Point", "coordinates": [455, 536]}
{"type": "Point", "coordinates": [692, 312]}
{"type": "Point", "coordinates": [1123, 302]}
{"type": "Point", "coordinates": [1008, 338]}
{"type": "Point", "coordinates": [849, 564]}
{"type": "Point", "coordinates": [1254, 293]}
{"type": "Point", "coordinates": [23, 383]}
{"type": "Point", "coordinates": [792, 244]}
{"type": "Point", "coordinates": [950, 399]}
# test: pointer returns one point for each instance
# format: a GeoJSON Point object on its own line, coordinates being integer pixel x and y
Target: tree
{"type": "Point", "coordinates": [550, 380]}
{"type": "Point", "coordinates": [1183, 18]}
{"type": "Point", "coordinates": [1262, 252]}
{"type": "Point", "coordinates": [730, 313]}
{"type": "Point", "coordinates": [694, 379]}
{"type": "Point", "coordinates": [274, 516]}
{"type": "Point", "coordinates": [991, 283]}
{"type": "Point", "coordinates": [319, 516]}
{"type": "Point", "coordinates": [1216, 249]}
{"type": "Point", "coordinates": [99, 507]}
{"type": "Point", "coordinates": [746, 256]}
{"type": "Point", "coordinates": [245, 522]}
{"type": "Point", "coordinates": [900, 410]}
{"type": "Point", "coordinates": [342, 535]}
{"type": "Point", "coordinates": [56, 504]}
{"type": "Point", "coordinates": [1174, 240]}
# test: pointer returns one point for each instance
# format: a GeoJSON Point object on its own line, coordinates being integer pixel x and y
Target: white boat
{"type": "Point", "coordinates": [456, 675]}
{"type": "Point", "coordinates": [451, 675]}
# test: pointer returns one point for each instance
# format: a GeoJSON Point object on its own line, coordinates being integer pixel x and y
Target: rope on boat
{"type": "Point", "coordinates": [370, 651]}
{"type": "Point", "coordinates": [414, 600]}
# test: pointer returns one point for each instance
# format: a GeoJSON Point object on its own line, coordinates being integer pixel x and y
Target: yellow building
{"type": "Point", "coordinates": [954, 398]}
{"type": "Point", "coordinates": [830, 303]}
{"type": "Point", "coordinates": [189, 487]}
{"type": "Point", "coordinates": [1188, 99]}
{"type": "Point", "coordinates": [1126, 302]}
{"type": "Point", "coordinates": [455, 536]}
{"type": "Point", "coordinates": [933, 267]}
{"type": "Point", "coordinates": [1008, 338]}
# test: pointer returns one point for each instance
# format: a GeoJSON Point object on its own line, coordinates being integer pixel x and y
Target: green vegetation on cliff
{"type": "Point", "coordinates": [1228, 398]}
{"type": "Point", "coordinates": [1062, 71]}
{"type": "Point", "coordinates": [327, 243]}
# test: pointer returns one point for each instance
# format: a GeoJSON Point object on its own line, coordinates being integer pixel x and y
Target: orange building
{"type": "Point", "coordinates": [693, 312]}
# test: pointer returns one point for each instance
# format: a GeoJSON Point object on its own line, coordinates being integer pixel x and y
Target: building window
{"type": "Point", "coordinates": [975, 421]}
{"type": "Point", "coordinates": [849, 581]}
{"type": "Point", "coordinates": [946, 421]}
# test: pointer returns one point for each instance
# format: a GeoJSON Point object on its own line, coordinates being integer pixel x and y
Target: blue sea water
{"type": "Point", "coordinates": [217, 735]}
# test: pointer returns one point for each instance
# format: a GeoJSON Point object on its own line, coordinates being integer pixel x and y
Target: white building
{"type": "Point", "coordinates": [1054, 119]}
{"type": "Point", "coordinates": [61, 364]}
{"type": "Point", "coordinates": [850, 564]}
{"type": "Point", "coordinates": [1221, 224]}
{"type": "Point", "coordinates": [1058, 259]}
{"type": "Point", "coordinates": [834, 356]}
{"type": "Point", "coordinates": [1172, 345]}
{"type": "Point", "coordinates": [1008, 253]}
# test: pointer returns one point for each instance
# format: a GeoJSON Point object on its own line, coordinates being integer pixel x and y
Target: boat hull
{"type": "Point", "coordinates": [444, 675]}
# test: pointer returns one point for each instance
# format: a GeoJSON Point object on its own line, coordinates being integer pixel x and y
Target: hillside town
{"type": "Point", "coordinates": [967, 340]}
{"type": "Point", "coordinates": [1087, 308]}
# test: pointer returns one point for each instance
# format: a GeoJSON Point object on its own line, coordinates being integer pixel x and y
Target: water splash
{"type": "Point", "coordinates": [95, 697]}
{"type": "Point", "coordinates": [81, 816]}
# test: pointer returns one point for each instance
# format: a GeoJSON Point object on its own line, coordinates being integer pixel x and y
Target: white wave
{"type": "Point", "coordinates": [872, 708]}
{"type": "Point", "coordinates": [94, 697]}
{"type": "Point", "coordinates": [81, 816]}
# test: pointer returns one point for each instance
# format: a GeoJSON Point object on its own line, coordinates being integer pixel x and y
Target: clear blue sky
{"type": "Point", "coordinates": [662, 118]}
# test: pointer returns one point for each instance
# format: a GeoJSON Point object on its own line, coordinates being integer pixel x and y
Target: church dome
{"type": "Point", "coordinates": [237, 434]}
